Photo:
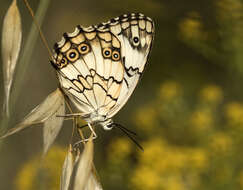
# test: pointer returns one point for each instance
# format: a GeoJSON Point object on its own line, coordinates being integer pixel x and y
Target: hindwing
{"type": "Point", "coordinates": [90, 69]}
{"type": "Point", "coordinates": [135, 33]}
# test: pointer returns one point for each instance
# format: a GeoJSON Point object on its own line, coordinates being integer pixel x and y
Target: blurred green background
{"type": "Point", "coordinates": [187, 109]}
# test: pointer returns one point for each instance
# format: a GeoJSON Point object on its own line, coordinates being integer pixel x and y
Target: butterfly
{"type": "Point", "coordinates": [98, 67]}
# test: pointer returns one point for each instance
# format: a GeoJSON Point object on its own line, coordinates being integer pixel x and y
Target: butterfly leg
{"type": "Point", "coordinates": [71, 115]}
{"type": "Point", "coordinates": [92, 130]}
{"type": "Point", "coordinates": [85, 140]}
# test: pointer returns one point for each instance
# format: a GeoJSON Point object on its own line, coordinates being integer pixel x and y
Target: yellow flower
{"type": "Point", "coordinates": [191, 27]}
{"type": "Point", "coordinates": [228, 9]}
{"type": "Point", "coordinates": [174, 183]}
{"type": "Point", "coordinates": [197, 159]}
{"type": "Point", "coordinates": [154, 151]}
{"type": "Point", "coordinates": [27, 175]}
{"type": "Point", "coordinates": [169, 90]}
{"type": "Point", "coordinates": [146, 119]}
{"type": "Point", "coordinates": [234, 113]}
{"type": "Point", "coordinates": [163, 166]}
{"type": "Point", "coordinates": [221, 143]}
{"type": "Point", "coordinates": [240, 179]}
{"type": "Point", "coordinates": [119, 149]}
{"type": "Point", "coordinates": [201, 119]}
{"type": "Point", "coordinates": [145, 178]}
{"type": "Point", "coordinates": [223, 173]}
{"type": "Point", "coordinates": [174, 160]}
{"type": "Point", "coordinates": [50, 168]}
{"type": "Point", "coordinates": [161, 157]}
{"type": "Point", "coordinates": [211, 94]}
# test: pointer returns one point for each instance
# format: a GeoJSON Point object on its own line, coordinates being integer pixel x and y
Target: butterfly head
{"type": "Point", "coordinates": [107, 124]}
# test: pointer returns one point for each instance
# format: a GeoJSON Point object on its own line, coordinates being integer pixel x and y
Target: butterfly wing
{"type": "Point", "coordinates": [99, 67]}
{"type": "Point", "coordinates": [90, 69]}
{"type": "Point", "coordinates": [135, 33]}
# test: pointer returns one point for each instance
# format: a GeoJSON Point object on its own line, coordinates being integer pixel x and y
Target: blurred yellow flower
{"type": "Point", "coordinates": [28, 178]}
{"type": "Point", "coordinates": [145, 178]}
{"type": "Point", "coordinates": [154, 151]}
{"type": "Point", "coordinates": [169, 90]}
{"type": "Point", "coordinates": [197, 159]}
{"type": "Point", "coordinates": [161, 157]}
{"type": "Point", "coordinates": [240, 179]}
{"type": "Point", "coordinates": [191, 27]}
{"type": "Point", "coordinates": [174, 183]}
{"type": "Point", "coordinates": [163, 166]}
{"type": "Point", "coordinates": [220, 143]}
{"type": "Point", "coordinates": [228, 9]}
{"type": "Point", "coordinates": [211, 94]}
{"type": "Point", "coordinates": [119, 149]}
{"type": "Point", "coordinates": [234, 113]}
{"type": "Point", "coordinates": [223, 172]}
{"type": "Point", "coordinates": [146, 119]}
{"type": "Point", "coordinates": [173, 161]}
{"type": "Point", "coordinates": [201, 119]}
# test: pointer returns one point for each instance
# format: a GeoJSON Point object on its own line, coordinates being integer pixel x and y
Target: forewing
{"type": "Point", "coordinates": [90, 70]}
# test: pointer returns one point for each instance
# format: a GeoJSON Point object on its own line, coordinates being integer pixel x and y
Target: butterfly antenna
{"type": "Point", "coordinates": [43, 39]}
{"type": "Point", "coordinates": [128, 133]}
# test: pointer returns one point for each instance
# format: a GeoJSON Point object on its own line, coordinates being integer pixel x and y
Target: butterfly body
{"type": "Point", "coordinates": [98, 67]}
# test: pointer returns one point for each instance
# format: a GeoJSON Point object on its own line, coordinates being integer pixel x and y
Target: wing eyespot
{"type": "Point", "coordinates": [83, 48]}
{"type": "Point", "coordinates": [116, 55]}
{"type": "Point", "coordinates": [107, 52]}
{"type": "Point", "coordinates": [63, 62]}
{"type": "Point", "coordinates": [136, 41]}
{"type": "Point", "coordinates": [72, 55]}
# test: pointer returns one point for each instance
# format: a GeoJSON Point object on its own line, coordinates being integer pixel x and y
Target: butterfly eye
{"type": "Point", "coordinates": [107, 52]}
{"type": "Point", "coordinates": [115, 56]}
{"type": "Point", "coordinates": [83, 48]}
{"type": "Point", "coordinates": [72, 55]}
{"type": "Point", "coordinates": [135, 41]}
